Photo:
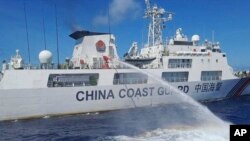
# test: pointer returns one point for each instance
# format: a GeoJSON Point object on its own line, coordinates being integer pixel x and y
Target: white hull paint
{"type": "Point", "coordinates": [39, 102]}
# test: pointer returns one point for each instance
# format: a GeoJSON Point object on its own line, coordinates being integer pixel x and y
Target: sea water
{"type": "Point", "coordinates": [131, 124]}
{"type": "Point", "coordinates": [166, 122]}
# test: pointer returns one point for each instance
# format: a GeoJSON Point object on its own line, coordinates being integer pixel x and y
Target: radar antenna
{"type": "Point", "coordinates": [147, 2]}
{"type": "Point", "coordinates": [158, 18]}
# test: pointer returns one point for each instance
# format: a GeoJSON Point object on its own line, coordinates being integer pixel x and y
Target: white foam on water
{"type": "Point", "coordinates": [196, 134]}
{"type": "Point", "coordinates": [197, 124]}
{"type": "Point", "coordinates": [45, 117]}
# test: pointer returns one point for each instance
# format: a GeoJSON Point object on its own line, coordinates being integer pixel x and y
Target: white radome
{"type": "Point", "coordinates": [195, 38]}
{"type": "Point", "coordinates": [45, 57]}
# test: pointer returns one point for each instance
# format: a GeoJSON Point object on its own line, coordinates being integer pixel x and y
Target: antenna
{"type": "Point", "coordinates": [213, 36]}
{"type": "Point", "coordinates": [158, 17]}
{"type": "Point", "coordinates": [109, 23]}
{"type": "Point", "coordinates": [57, 46]}
{"type": "Point", "coordinates": [27, 33]}
{"type": "Point", "coordinates": [44, 36]}
{"type": "Point", "coordinates": [110, 55]}
{"type": "Point", "coordinates": [109, 15]}
{"type": "Point", "coordinates": [147, 2]}
{"type": "Point", "coordinates": [142, 38]}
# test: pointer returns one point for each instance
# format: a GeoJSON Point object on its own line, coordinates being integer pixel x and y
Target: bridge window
{"type": "Point", "coordinates": [203, 50]}
{"type": "Point", "coordinates": [216, 50]}
{"type": "Point", "coordinates": [72, 80]}
{"type": "Point", "coordinates": [211, 75]}
{"type": "Point", "coordinates": [130, 78]}
{"type": "Point", "coordinates": [175, 76]}
{"type": "Point", "coordinates": [180, 63]}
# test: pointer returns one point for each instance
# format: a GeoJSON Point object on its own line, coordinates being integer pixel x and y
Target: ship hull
{"type": "Point", "coordinates": [39, 102]}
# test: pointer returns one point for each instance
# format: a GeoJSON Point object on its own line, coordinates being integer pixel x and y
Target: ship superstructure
{"type": "Point", "coordinates": [95, 79]}
{"type": "Point", "coordinates": [185, 60]}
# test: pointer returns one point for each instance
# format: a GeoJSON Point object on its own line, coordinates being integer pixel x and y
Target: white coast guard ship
{"type": "Point", "coordinates": [94, 80]}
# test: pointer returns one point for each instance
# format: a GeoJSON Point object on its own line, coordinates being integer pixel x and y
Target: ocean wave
{"type": "Point", "coordinates": [179, 134]}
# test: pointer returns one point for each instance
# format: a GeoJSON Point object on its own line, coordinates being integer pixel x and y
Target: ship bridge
{"type": "Point", "coordinates": [93, 50]}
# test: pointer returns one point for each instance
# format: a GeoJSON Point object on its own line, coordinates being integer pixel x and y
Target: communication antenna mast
{"type": "Point", "coordinates": [147, 2]}
{"type": "Point", "coordinates": [213, 36]}
{"type": "Point", "coordinates": [27, 32]}
{"type": "Point", "coordinates": [158, 18]}
{"type": "Point", "coordinates": [109, 22]}
{"type": "Point", "coordinates": [57, 46]}
{"type": "Point", "coordinates": [44, 35]}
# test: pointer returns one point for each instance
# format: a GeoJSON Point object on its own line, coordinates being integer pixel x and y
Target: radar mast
{"type": "Point", "coordinates": [158, 17]}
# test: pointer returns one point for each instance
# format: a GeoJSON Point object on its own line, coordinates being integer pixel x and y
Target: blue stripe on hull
{"type": "Point", "coordinates": [239, 87]}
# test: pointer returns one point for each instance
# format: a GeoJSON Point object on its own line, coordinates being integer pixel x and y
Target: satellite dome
{"type": "Point", "coordinates": [45, 57]}
{"type": "Point", "coordinates": [195, 38]}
